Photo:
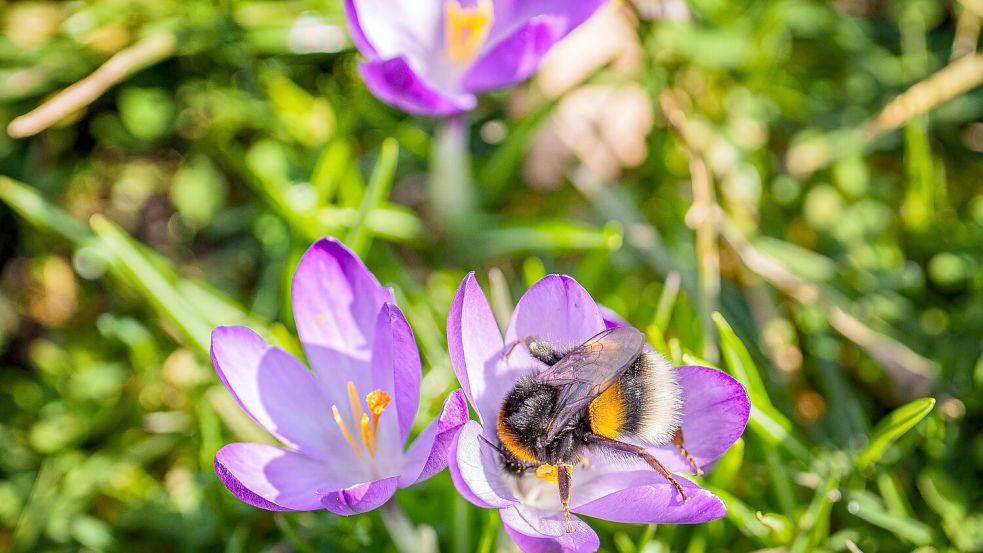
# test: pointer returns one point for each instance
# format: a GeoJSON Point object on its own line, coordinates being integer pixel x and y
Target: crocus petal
{"type": "Point", "coordinates": [396, 27]}
{"type": "Point", "coordinates": [715, 412]}
{"type": "Point", "coordinates": [511, 13]}
{"type": "Point", "coordinates": [272, 478]}
{"type": "Point", "coordinates": [536, 531]}
{"type": "Point", "coordinates": [476, 347]}
{"type": "Point", "coordinates": [336, 301]}
{"type": "Point", "coordinates": [556, 309]}
{"type": "Point", "coordinates": [275, 389]}
{"type": "Point", "coordinates": [515, 57]}
{"type": "Point", "coordinates": [429, 452]}
{"type": "Point", "coordinates": [360, 498]}
{"type": "Point", "coordinates": [611, 317]}
{"type": "Point", "coordinates": [393, 81]}
{"type": "Point", "coordinates": [355, 31]}
{"type": "Point", "coordinates": [645, 496]}
{"type": "Point", "coordinates": [475, 471]}
{"type": "Point", "coordinates": [396, 366]}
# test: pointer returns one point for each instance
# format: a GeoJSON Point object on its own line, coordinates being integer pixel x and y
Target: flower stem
{"type": "Point", "coordinates": [450, 184]}
{"type": "Point", "coordinates": [406, 537]}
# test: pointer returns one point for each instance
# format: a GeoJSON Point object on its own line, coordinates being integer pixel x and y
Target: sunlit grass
{"type": "Point", "coordinates": [806, 215]}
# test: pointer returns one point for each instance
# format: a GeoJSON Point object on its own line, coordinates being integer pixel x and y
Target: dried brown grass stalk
{"type": "Point", "coordinates": [124, 63]}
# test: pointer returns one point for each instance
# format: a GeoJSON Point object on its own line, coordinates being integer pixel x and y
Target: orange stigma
{"type": "Point", "coordinates": [367, 427]}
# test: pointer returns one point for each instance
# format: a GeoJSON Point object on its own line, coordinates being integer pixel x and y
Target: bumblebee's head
{"type": "Point", "coordinates": [524, 418]}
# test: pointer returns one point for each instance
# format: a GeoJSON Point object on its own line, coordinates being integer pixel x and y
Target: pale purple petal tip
{"type": "Point", "coordinates": [274, 388]}
{"type": "Point", "coordinates": [239, 489]}
{"type": "Point", "coordinates": [570, 14]}
{"type": "Point", "coordinates": [715, 412]}
{"type": "Point", "coordinates": [536, 531]}
{"type": "Point", "coordinates": [396, 365]}
{"type": "Point", "coordinates": [393, 81]}
{"type": "Point", "coordinates": [360, 498]}
{"type": "Point", "coordinates": [557, 309]}
{"type": "Point", "coordinates": [515, 57]}
{"type": "Point", "coordinates": [356, 32]}
{"type": "Point", "coordinates": [474, 469]}
{"type": "Point", "coordinates": [336, 301]}
{"type": "Point", "coordinates": [272, 478]}
{"type": "Point", "coordinates": [611, 317]}
{"type": "Point", "coordinates": [475, 346]}
{"type": "Point", "coordinates": [429, 453]}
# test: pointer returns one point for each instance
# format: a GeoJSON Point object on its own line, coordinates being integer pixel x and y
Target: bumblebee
{"type": "Point", "coordinates": [590, 397]}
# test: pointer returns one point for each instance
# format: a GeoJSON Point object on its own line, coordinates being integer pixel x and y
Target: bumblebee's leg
{"type": "Point", "coordinates": [601, 441]}
{"type": "Point", "coordinates": [541, 350]}
{"type": "Point", "coordinates": [563, 477]}
{"type": "Point", "coordinates": [677, 440]}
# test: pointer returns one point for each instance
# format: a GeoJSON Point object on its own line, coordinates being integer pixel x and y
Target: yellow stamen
{"type": "Point", "coordinates": [344, 430]}
{"type": "Point", "coordinates": [355, 402]}
{"type": "Point", "coordinates": [466, 29]}
{"type": "Point", "coordinates": [367, 427]}
{"type": "Point", "coordinates": [367, 437]}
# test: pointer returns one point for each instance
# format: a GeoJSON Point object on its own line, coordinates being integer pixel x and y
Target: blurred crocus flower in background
{"type": "Point", "coordinates": [345, 425]}
{"type": "Point", "coordinates": [715, 410]}
{"type": "Point", "coordinates": [432, 57]}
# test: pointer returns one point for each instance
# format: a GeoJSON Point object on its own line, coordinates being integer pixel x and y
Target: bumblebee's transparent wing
{"type": "Point", "coordinates": [589, 369]}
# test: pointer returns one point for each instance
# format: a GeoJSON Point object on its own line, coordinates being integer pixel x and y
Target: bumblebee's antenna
{"type": "Point", "coordinates": [497, 448]}
{"type": "Point", "coordinates": [504, 453]}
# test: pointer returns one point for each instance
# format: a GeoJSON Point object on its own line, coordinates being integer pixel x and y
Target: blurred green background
{"type": "Point", "coordinates": [809, 170]}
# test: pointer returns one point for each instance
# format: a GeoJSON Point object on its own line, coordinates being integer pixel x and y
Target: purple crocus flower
{"type": "Point", "coordinates": [340, 454]}
{"type": "Point", "coordinates": [715, 410]}
{"type": "Point", "coordinates": [430, 57]}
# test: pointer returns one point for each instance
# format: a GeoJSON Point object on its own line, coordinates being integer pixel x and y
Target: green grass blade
{"type": "Point", "coordinates": [813, 525]}
{"type": "Point", "coordinates": [134, 268]}
{"type": "Point", "coordinates": [378, 189]}
{"type": "Point", "coordinates": [867, 508]}
{"type": "Point", "coordinates": [744, 518]}
{"type": "Point", "coordinates": [739, 362]}
{"type": "Point", "coordinates": [892, 427]}
{"type": "Point", "coordinates": [29, 203]}
{"type": "Point", "coordinates": [776, 430]}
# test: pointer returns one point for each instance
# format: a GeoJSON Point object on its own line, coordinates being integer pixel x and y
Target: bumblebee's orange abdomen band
{"type": "Point", "coordinates": [607, 413]}
{"type": "Point", "coordinates": [512, 444]}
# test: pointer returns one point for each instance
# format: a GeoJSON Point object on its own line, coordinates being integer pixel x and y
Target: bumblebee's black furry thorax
{"type": "Point", "coordinates": [528, 410]}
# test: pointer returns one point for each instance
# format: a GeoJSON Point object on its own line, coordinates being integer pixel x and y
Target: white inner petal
{"type": "Point", "coordinates": [402, 27]}
{"type": "Point", "coordinates": [534, 492]}
{"type": "Point", "coordinates": [544, 495]}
